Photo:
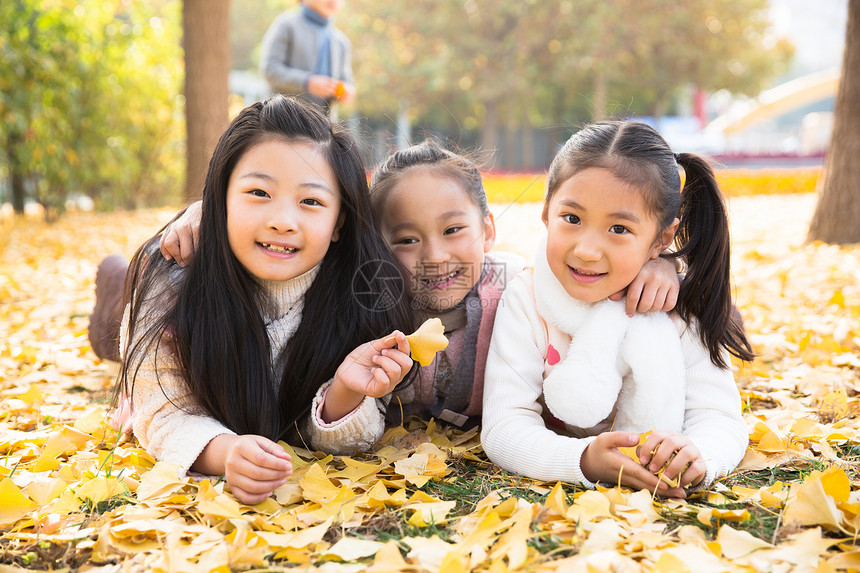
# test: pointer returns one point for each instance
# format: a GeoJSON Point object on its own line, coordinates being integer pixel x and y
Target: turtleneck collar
{"type": "Point", "coordinates": [314, 16]}
{"type": "Point", "coordinates": [285, 295]}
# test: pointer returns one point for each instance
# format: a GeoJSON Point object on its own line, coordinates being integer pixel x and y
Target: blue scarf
{"type": "Point", "coordinates": [323, 63]}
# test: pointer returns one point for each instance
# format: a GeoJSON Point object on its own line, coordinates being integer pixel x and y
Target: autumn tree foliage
{"type": "Point", "coordinates": [492, 64]}
{"type": "Point", "coordinates": [88, 101]}
{"type": "Point", "coordinates": [837, 216]}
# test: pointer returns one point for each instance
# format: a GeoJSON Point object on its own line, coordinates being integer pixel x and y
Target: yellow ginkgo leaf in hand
{"type": "Point", "coordinates": [425, 342]}
{"type": "Point", "coordinates": [630, 451]}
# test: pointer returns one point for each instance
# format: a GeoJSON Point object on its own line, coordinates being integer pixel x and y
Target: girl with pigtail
{"type": "Point", "coordinates": [570, 377]}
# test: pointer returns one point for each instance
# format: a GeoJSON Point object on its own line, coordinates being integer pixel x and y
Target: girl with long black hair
{"type": "Point", "coordinates": [292, 294]}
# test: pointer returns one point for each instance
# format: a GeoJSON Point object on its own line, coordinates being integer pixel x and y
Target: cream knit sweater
{"type": "Point", "coordinates": [516, 437]}
{"type": "Point", "coordinates": [169, 424]}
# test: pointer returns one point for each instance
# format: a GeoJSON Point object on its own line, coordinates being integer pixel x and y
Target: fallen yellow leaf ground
{"type": "Point", "coordinates": [73, 495]}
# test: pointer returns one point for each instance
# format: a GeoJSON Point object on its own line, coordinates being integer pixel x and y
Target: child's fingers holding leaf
{"type": "Point", "coordinates": [396, 340]}
{"type": "Point", "coordinates": [392, 366]}
{"type": "Point", "coordinates": [687, 463]}
{"type": "Point", "coordinates": [603, 461]}
{"type": "Point", "coordinates": [694, 474]}
{"type": "Point", "coordinates": [661, 447]}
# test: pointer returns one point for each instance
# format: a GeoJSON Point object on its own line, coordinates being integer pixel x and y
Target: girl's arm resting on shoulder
{"type": "Point", "coordinates": [713, 417]}
{"type": "Point", "coordinates": [656, 287]}
{"type": "Point", "coordinates": [179, 240]}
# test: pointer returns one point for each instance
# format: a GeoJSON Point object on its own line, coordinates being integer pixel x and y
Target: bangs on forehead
{"type": "Point", "coordinates": [642, 176]}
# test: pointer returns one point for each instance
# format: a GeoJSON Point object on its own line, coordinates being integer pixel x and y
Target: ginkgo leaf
{"type": "Point", "coordinates": [425, 342]}
{"type": "Point", "coordinates": [706, 514]}
{"type": "Point", "coordinates": [429, 512]}
{"type": "Point", "coordinates": [800, 310]}
{"type": "Point", "coordinates": [44, 491]}
{"type": "Point", "coordinates": [350, 549]}
{"type": "Point", "coordinates": [99, 489]}
{"type": "Point", "coordinates": [833, 406]}
{"type": "Point", "coordinates": [814, 501]}
{"type": "Point", "coordinates": [221, 506]}
{"type": "Point", "coordinates": [388, 560]}
{"type": "Point", "coordinates": [735, 543]}
{"type": "Point", "coordinates": [13, 504]}
{"type": "Point", "coordinates": [297, 539]}
{"type": "Point", "coordinates": [317, 487]}
{"type": "Point", "coordinates": [160, 481]}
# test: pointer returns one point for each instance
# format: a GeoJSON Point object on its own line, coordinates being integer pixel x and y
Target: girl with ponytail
{"type": "Point", "coordinates": [570, 377]}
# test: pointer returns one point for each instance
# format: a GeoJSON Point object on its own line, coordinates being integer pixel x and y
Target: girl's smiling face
{"type": "Point", "coordinates": [283, 208]}
{"type": "Point", "coordinates": [439, 234]}
{"type": "Point", "coordinates": [599, 234]}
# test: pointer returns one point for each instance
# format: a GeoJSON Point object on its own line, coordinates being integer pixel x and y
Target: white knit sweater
{"type": "Point", "coordinates": [170, 425]}
{"type": "Point", "coordinates": [516, 437]}
{"type": "Point", "coordinates": [630, 365]}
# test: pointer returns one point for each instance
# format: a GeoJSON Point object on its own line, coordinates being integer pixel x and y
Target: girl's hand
{"type": "Point", "coordinates": [373, 369]}
{"type": "Point", "coordinates": [601, 461]}
{"type": "Point", "coordinates": [656, 287]}
{"type": "Point", "coordinates": [676, 453]}
{"type": "Point", "coordinates": [254, 467]}
{"type": "Point", "coordinates": [179, 240]}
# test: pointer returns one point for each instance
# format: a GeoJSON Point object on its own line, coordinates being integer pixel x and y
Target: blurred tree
{"type": "Point", "coordinates": [511, 64]}
{"type": "Point", "coordinates": [87, 101]}
{"type": "Point", "coordinates": [30, 83]}
{"type": "Point", "coordinates": [838, 211]}
{"type": "Point", "coordinates": [713, 44]}
{"type": "Point", "coordinates": [248, 22]}
{"type": "Point", "coordinates": [129, 154]}
{"type": "Point", "coordinates": [206, 27]}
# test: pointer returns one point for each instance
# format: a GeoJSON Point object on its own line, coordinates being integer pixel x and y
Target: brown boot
{"type": "Point", "coordinates": [107, 314]}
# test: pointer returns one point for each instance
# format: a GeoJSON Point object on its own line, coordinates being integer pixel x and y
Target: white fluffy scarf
{"type": "Point", "coordinates": [635, 362]}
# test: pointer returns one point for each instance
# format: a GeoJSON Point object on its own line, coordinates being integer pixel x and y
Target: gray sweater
{"type": "Point", "coordinates": [290, 48]}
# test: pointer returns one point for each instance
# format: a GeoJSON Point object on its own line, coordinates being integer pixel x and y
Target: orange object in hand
{"type": "Point", "coordinates": [339, 91]}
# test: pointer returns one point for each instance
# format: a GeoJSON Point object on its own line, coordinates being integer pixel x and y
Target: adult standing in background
{"type": "Point", "coordinates": [305, 55]}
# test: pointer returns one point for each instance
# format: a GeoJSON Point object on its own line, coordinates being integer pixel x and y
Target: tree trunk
{"type": "Point", "coordinates": [17, 183]}
{"type": "Point", "coordinates": [16, 174]}
{"type": "Point", "coordinates": [837, 216]}
{"type": "Point", "coordinates": [206, 25]}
